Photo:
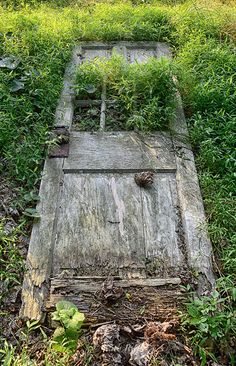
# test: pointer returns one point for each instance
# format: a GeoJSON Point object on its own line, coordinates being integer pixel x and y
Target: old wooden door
{"type": "Point", "coordinates": [97, 222]}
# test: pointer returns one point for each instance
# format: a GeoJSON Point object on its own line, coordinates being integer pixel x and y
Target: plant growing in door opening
{"type": "Point", "coordinates": [144, 93]}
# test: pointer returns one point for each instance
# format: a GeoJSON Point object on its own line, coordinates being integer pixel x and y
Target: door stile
{"type": "Point", "coordinates": [39, 259]}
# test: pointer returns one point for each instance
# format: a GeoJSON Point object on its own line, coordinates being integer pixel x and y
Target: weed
{"type": "Point", "coordinates": [11, 262]}
{"type": "Point", "coordinates": [143, 92]}
{"type": "Point", "coordinates": [210, 321]}
{"type": "Point", "coordinates": [67, 333]}
{"type": "Point", "coordinates": [207, 76]}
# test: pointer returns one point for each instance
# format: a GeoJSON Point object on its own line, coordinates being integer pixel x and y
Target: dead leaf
{"type": "Point", "coordinates": [105, 340]}
{"type": "Point", "coordinates": [140, 354]}
{"type": "Point", "coordinates": [109, 292]}
{"type": "Point", "coordinates": [156, 331]}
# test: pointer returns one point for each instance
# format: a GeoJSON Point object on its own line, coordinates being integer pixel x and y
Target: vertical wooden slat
{"type": "Point", "coordinates": [65, 109]}
{"type": "Point", "coordinates": [40, 252]}
{"type": "Point", "coordinates": [160, 222]}
{"type": "Point", "coordinates": [198, 245]}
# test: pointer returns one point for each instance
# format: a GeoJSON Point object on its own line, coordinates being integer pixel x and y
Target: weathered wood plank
{"type": "Point", "coordinates": [129, 44]}
{"type": "Point", "coordinates": [102, 224]}
{"type": "Point", "coordinates": [39, 259]}
{"type": "Point", "coordinates": [139, 55]}
{"type": "Point", "coordinates": [87, 103]}
{"type": "Point", "coordinates": [119, 151]}
{"type": "Point", "coordinates": [163, 244]}
{"type": "Point", "coordinates": [163, 50]}
{"type": "Point", "coordinates": [144, 301]}
{"type": "Point", "coordinates": [91, 54]}
{"type": "Point", "coordinates": [99, 225]}
{"type": "Point", "coordinates": [91, 284]}
{"type": "Point", "coordinates": [65, 109]}
{"type": "Point", "coordinates": [103, 108]}
{"type": "Point", "coordinates": [198, 245]}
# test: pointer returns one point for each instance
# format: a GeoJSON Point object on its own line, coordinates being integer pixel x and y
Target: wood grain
{"type": "Point", "coordinates": [99, 224]}
{"type": "Point", "coordinates": [198, 245]}
{"type": "Point", "coordinates": [39, 259]}
{"type": "Point", "coordinates": [119, 151]}
{"type": "Point", "coordinates": [65, 109]}
{"type": "Point", "coordinates": [160, 206]}
{"type": "Point", "coordinates": [147, 299]}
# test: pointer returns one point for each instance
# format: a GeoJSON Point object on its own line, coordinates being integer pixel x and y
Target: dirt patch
{"type": "Point", "coordinates": [87, 118]}
{"type": "Point", "coordinates": [115, 118]}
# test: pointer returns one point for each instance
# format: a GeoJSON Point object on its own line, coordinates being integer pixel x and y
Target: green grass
{"type": "Point", "coordinates": [11, 262]}
{"type": "Point", "coordinates": [144, 93]}
{"type": "Point", "coordinates": [207, 79]}
{"type": "Point", "coordinates": [202, 35]}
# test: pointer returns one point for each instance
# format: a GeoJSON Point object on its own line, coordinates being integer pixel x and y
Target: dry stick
{"type": "Point", "coordinates": [103, 107]}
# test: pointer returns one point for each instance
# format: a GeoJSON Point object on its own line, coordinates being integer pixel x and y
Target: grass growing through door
{"type": "Point", "coordinates": [143, 93]}
{"type": "Point", "coordinates": [40, 37]}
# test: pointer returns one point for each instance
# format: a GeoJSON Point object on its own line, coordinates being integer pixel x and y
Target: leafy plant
{"type": "Point", "coordinates": [211, 322]}
{"type": "Point", "coordinates": [11, 263]}
{"type": "Point", "coordinates": [144, 92]}
{"type": "Point", "coordinates": [71, 320]}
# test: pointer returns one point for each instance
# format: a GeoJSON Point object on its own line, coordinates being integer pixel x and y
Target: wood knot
{"type": "Point", "coordinates": [144, 179]}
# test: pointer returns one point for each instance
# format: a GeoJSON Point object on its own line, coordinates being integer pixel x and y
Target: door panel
{"type": "Point", "coordinates": [96, 221]}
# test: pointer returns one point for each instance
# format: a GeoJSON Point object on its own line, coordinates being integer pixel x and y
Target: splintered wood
{"type": "Point", "coordinates": [147, 299]}
{"type": "Point", "coordinates": [98, 223]}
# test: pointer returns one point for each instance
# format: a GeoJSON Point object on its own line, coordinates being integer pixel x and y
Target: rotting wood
{"type": "Point", "coordinates": [65, 110]}
{"type": "Point", "coordinates": [141, 299]}
{"type": "Point", "coordinates": [107, 161]}
{"type": "Point", "coordinates": [107, 224]}
{"type": "Point", "coordinates": [87, 239]}
{"type": "Point", "coordinates": [119, 151]}
{"type": "Point", "coordinates": [39, 259]}
{"type": "Point", "coordinates": [91, 102]}
{"type": "Point", "coordinates": [87, 103]}
{"type": "Point", "coordinates": [103, 107]}
{"type": "Point", "coordinates": [91, 284]}
{"type": "Point", "coordinates": [161, 239]}
{"type": "Point", "coordinates": [198, 245]}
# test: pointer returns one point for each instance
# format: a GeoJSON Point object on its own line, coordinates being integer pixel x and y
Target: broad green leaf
{"type": "Point", "coordinates": [16, 85]}
{"type": "Point", "coordinates": [76, 321]}
{"type": "Point", "coordinates": [65, 305]}
{"type": "Point", "coordinates": [10, 62]}
{"type": "Point", "coordinates": [59, 332]}
{"type": "Point", "coordinates": [204, 327]}
{"type": "Point", "coordinates": [31, 196]}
